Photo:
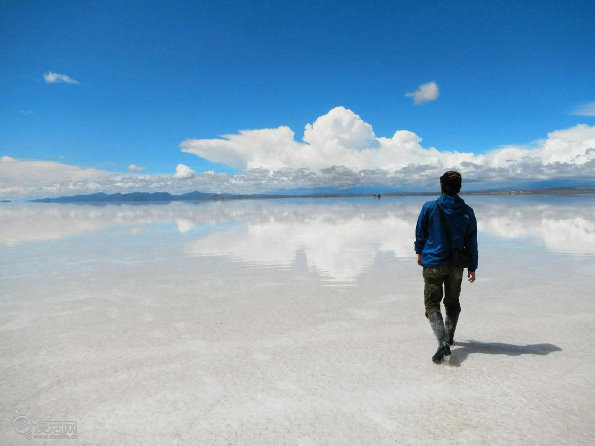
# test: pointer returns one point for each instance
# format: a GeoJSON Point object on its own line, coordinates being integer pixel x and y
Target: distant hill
{"type": "Point", "coordinates": [153, 197]}
{"type": "Point", "coordinates": [102, 197]}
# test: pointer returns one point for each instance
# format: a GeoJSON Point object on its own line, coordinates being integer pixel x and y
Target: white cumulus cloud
{"type": "Point", "coordinates": [338, 138]}
{"type": "Point", "coordinates": [425, 93]}
{"type": "Point", "coordinates": [339, 150]}
{"type": "Point", "coordinates": [135, 168]}
{"type": "Point", "coordinates": [184, 172]}
{"type": "Point", "coordinates": [55, 78]}
{"type": "Point", "coordinates": [342, 145]}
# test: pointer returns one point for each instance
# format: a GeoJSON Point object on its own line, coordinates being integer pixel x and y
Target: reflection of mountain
{"type": "Point", "coordinates": [339, 238]}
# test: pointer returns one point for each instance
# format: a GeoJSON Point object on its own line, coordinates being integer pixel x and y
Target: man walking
{"type": "Point", "coordinates": [444, 226]}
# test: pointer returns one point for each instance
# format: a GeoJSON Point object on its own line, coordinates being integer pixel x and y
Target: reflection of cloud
{"type": "Point", "coordinates": [338, 238]}
{"type": "Point", "coordinates": [559, 228]}
{"type": "Point", "coordinates": [343, 245]}
{"type": "Point", "coordinates": [27, 223]}
{"type": "Point", "coordinates": [184, 225]}
{"type": "Point", "coordinates": [339, 248]}
{"type": "Point", "coordinates": [21, 223]}
{"type": "Point", "coordinates": [574, 235]}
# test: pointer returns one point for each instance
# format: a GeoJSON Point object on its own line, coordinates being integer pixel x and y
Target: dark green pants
{"type": "Point", "coordinates": [434, 278]}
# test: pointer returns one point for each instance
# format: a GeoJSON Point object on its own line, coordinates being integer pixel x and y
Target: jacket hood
{"type": "Point", "coordinates": [451, 204]}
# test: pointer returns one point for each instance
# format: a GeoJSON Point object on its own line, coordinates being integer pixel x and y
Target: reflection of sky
{"type": "Point", "coordinates": [338, 238]}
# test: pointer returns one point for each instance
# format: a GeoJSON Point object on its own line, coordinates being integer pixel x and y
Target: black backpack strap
{"type": "Point", "coordinates": [445, 225]}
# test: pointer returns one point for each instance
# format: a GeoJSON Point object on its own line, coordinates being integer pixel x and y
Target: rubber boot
{"type": "Point", "coordinates": [450, 324]}
{"type": "Point", "coordinates": [437, 325]}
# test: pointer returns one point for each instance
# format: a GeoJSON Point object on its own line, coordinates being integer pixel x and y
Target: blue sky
{"type": "Point", "coordinates": [151, 75]}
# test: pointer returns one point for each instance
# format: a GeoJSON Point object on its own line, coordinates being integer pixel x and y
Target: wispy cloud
{"type": "Point", "coordinates": [425, 93]}
{"type": "Point", "coordinates": [135, 168]}
{"type": "Point", "coordinates": [585, 110]}
{"type": "Point", "coordinates": [26, 112]}
{"type": "Point", "coordinates": [56, 78]}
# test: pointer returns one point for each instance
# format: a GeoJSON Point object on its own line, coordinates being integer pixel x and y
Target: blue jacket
{"type": "Point", "coordinates": [431, 240]}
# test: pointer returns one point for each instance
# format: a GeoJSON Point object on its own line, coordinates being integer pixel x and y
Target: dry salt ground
{"type": "Point", "coordinates": [294, 322]}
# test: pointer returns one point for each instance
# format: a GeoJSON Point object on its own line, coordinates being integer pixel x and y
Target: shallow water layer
{"type": "Point", "coordinates": [293, 321]}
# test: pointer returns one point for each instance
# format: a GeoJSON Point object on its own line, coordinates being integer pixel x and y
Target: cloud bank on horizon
{"type": "Point", "coordinates": [338, 151]}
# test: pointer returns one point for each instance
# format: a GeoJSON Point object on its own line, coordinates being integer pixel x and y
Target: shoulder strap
{"type": "Point", "coordinates": [445, 225]}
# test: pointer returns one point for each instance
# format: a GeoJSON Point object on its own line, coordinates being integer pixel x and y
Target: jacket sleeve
{"type": "Point", "coordinates": [471, 243]}
{"type": "Point", "coordinates": [421, 231]}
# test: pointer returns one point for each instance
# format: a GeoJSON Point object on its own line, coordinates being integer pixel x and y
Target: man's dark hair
{"type": "Point", "coordinates": [451, 182]}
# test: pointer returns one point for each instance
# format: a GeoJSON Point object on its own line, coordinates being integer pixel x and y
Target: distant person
{"type": "Point", "coordinates": [437, 237]}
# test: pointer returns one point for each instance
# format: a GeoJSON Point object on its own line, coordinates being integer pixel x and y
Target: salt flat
{"type": "Point", "coordinates": [292, 322]}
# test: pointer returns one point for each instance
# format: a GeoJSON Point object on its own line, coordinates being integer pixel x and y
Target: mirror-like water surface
{"type": "Point", "coordinates": [339, 239]}
{"type": "Point", "coordinates": [295, 322]}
